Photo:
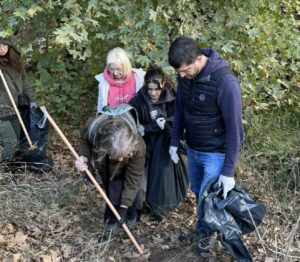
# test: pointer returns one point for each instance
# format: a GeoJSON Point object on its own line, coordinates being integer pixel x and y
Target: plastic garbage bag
{"type": "Point", "coordinates": [167, 183]}
{"type": "Point", "coordinates": [37, 127]}
{"type": "Point", "coordinates": [236, 215]}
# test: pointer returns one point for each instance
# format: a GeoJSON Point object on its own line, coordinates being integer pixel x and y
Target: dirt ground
{"type": "Point", "coordinates": [56, 217]}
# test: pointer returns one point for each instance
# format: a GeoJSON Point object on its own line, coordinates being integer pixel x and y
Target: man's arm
{"type": "Point", "coordinates": [178, 126]}
{"type": "Point", "coordinates": [230, 104]}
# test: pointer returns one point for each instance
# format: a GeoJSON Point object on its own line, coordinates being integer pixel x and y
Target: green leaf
{"type": "Point", "coordinates": [153, 15]}
{"type": "Point", "coordinates": [21, 12]}
{"type": "Point", "coordinates": [33, 10]}
{"type": "Point", "coordinates": [254, 33]}
{"type": "Point", "coordinates": [228, 47]}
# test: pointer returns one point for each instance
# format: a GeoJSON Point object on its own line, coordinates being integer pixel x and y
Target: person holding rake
{"type": "Point", "coordinates": [14, 74]}
{"type": "Point", "coordinates": [113, 147]}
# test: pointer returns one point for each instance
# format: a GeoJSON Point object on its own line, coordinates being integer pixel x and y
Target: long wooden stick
{"type": "Point", "coordinates": [106, 199]}
{"type": "Point", "coordinates": [16, 110]}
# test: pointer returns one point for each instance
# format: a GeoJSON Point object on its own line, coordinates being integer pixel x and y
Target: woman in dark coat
{"type": "Point", "coordinates": [154, 104]}
{"type": "Point", "coordinates": [15, 77]}
{"type": "Point", "coordinates": [155, 107]}
{"type": "Point", "coordinates": [115, 150]}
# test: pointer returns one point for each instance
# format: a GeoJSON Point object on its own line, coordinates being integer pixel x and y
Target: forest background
{"type": "Point", "coordinates": [64, 45]}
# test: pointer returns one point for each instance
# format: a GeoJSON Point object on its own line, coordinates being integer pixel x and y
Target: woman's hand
{"type": "Point", "coordinates": [81, 164]}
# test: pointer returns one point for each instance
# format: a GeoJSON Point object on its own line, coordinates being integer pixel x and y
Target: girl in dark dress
{"type": "Point", "coordinates": [155, 104]}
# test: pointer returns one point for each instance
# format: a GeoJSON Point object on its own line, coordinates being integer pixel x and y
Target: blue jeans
{"type": "Point", "coordinates": [203, 167]}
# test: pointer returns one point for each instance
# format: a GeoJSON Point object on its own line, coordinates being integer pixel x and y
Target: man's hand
{"type": "Point", "coordinates": [122, 210]}
{"type": "Point", "coordinates": [81, 164]}
{"type": "Point", "coordinates": [173, 154]}
{"type": "Point", "coordinates": [227, 183]}
{"type": "Point", "coordinates": [161, 122]}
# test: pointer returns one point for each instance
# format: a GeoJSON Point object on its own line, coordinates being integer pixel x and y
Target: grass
{"type": "Point", "coordinates": [272, 133]}
{"type": "Point", "coordinates": [55, 216]}
{"type": "Point", "coordinates": [272, 148]}
{"type": "Point", "coordinates": [269, 168]}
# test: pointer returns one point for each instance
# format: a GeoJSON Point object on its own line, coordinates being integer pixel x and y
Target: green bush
{"type": "Point", "coordinates": [271, 149]}
{"type": "Point", "coordinates": [65, 43]}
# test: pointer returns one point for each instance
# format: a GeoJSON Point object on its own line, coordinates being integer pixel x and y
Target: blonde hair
{"type": "Point", "coordinates": [120, 57]}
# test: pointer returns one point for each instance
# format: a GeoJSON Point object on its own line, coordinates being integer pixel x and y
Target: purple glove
{"type": "Point", "coordinates": [81, 164]}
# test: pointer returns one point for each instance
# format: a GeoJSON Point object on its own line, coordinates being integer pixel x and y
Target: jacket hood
{"type": "Point", "coordinates": [214, 63]}
{"type": "Point", "coordinates": [166, 96]}
{"type": "Point", "coordinates": [8, 42]}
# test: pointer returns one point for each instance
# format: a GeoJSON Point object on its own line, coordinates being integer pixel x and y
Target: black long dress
{"type": "Point", "coordinates": [166, 182]}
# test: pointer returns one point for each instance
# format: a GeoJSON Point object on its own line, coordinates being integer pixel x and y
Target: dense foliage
{"type": "Point", "coordinates": [65, 43]}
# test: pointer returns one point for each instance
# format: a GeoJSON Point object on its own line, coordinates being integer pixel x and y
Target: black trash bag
{"type": "Point", "coordinates": [37, 126]}
{"type": "Point", "coordinates": [25, 115]}
{"type": "Point", "coordinates": [167, 183]}
{"type": "Point", "coordinates": [38, 129]}
{"type": "Point", "coordinates": [236, 215]}
{"type": "Point", "coordinates": [36, 161]}
{"type": "Point", "coordinates": [236, 248]}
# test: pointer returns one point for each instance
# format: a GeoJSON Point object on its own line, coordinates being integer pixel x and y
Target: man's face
{"type": "Point", "coordinates": [192, 70]}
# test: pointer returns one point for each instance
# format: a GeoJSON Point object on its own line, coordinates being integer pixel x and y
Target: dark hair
{"type": "Point", "coordinates": [155, 74]}
{"type": "Point", "coordinates": [183, 50]}
{"type": "Point", "coordinates": [14, 59]}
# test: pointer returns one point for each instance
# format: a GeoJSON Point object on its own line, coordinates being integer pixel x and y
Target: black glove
{"type": "Point", "coordinates": [86, 180]}
{"type": "Point", "coordinates": [123, 214]}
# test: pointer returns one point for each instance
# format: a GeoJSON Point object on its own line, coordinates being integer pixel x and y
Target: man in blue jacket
{"type": "Point", "coordinates": [209, 109]}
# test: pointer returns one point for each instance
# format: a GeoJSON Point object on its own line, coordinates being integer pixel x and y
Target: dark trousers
{"type": "Point", "coordinates": [113, 191]}
{"type": "Point", "coordinates": [9, 138]}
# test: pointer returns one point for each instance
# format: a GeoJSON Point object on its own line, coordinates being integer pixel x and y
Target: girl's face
{"type": "Point", "coordinates": [116, 71]}
{"type": "Point", "coordinates": [3, 49]}
{"type": "Point", "coordinates": [153, 91]}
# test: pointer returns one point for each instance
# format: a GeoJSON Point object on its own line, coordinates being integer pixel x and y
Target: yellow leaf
{"type": "Point", "coordinates": [30, 12]}
{"type": "Point", "coordinates": [67, 250]}
{"type": "Point", "coordinates": [2, 239]}
{"type": "Point", "coordinates": [7, 229]}
{"type": "Point", "coordinates": [16, 257]}
{"type": "Point", "coordinates": [19, 240]}
{"type": "Point", "coordinates": [55, 255]}
{"type": "Point", "coordinates": [45, 258]}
